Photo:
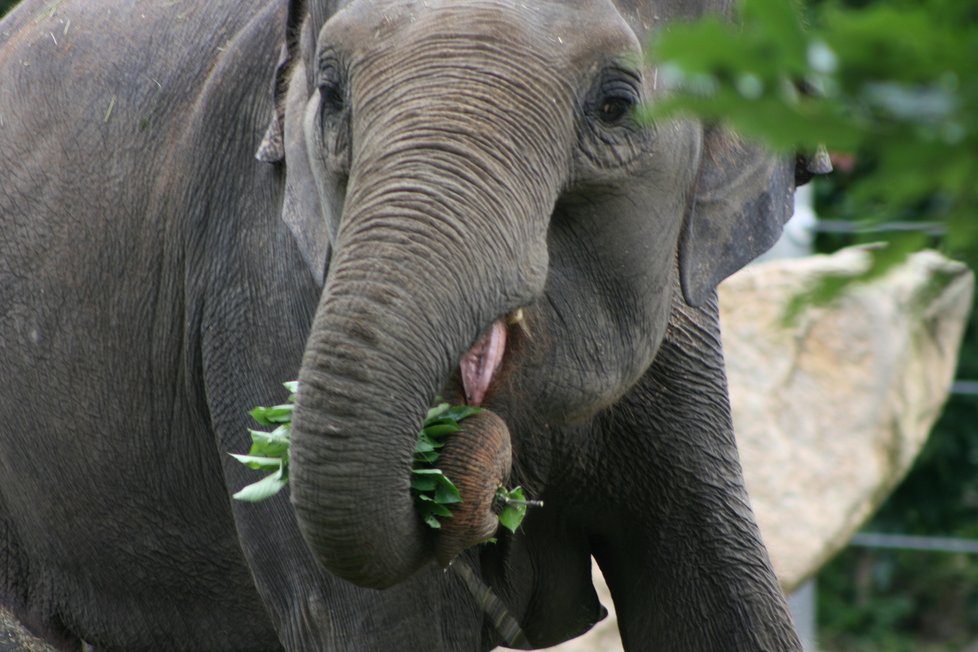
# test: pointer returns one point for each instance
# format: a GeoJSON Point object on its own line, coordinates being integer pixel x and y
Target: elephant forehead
{"type": "Point", "coordinates": [557, 31]}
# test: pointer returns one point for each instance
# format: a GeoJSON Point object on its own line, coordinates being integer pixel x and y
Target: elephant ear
{"type": "Point", "coordinates": [284, 141]}
{"type": "Point", "coordinates": [742, 199]}
{"type": "Point", "coordinates": [272, 147]}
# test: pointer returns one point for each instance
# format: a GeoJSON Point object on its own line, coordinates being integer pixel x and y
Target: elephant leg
{"type": "Point", "coordinates": [675, 535]}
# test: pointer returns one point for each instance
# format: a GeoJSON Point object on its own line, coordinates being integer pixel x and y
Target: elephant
{"type": "Point", "coordinates": [390, 200]}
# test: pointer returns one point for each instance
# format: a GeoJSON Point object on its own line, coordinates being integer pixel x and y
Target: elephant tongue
{"type": "Point", "coordinates": [482, 361]}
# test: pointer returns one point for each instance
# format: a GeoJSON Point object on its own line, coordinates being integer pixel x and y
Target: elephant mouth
{"type": "Point", "coordinates": [478, 458]}
{"type": "Point", "coordinates": [480, 365]}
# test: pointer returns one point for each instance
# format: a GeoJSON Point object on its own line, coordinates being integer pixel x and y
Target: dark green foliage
{"type": "Point", "coordinates": [432, 490]}
{"type": "Point", "coordinates": [909, 600]}
{"type": "Point", "coordinates": [895, 83]}
{"type": "Point", "coordinates": [900, 601]}
{"type": "Point", "coordinates": [6, 5]}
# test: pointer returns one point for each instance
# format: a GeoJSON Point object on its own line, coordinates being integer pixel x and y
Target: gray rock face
{"type": "Point", "coordinates": [831, 411]}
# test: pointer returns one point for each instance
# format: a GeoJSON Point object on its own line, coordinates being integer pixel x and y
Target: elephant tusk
{"type": "Point", "coordinates": [517, 318]}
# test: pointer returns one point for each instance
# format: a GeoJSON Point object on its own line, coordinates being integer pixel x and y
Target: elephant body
{"type": "Point", "coordinates": [426, 170]}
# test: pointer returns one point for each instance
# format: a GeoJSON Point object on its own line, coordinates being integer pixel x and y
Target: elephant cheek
{"type": "Point", "coordinates": [478, 460]}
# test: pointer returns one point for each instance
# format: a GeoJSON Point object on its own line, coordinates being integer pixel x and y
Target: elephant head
{"type": "Point", "coordinates": [498, 228]}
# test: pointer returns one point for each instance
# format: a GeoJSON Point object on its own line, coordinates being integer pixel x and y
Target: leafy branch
{"type": "Point", "coordinates": [269, 450]}
{"type": "Point", "coordinates": [512, 504]}
{"type": "Point", "coordinates": [432, 490]}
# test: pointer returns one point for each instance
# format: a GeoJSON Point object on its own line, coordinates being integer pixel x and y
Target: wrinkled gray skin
{"type": "Point", "coordinates": [447, 162]}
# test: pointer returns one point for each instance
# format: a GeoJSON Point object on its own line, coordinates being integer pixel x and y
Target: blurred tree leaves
{"type": "Point", "coordinates": [894, 83]}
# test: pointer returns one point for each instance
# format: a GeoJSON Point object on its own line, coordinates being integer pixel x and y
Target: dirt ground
{"type": "Point", "coordinates": [14, 638]}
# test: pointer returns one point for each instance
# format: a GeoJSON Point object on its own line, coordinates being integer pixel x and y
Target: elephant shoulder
{"type": "Point", "coordinates": [83, 76]}
{"type": "Point", "coordinates": [97, 95]}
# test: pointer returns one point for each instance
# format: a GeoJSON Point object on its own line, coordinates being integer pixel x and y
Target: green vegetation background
{"type": "Point", "coordinates": [901, 601]}
{"type": "Point", "coordinates": [877, 600]}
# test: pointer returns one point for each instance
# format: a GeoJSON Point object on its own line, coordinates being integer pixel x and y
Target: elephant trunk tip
{"type": "Point", "coordinates": [478, 460]}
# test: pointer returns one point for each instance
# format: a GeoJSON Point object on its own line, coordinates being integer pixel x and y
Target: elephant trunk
{"type": "Point", "coordinates": [439, 240]}
{"type": "Point", "coordinates": [372, 364]}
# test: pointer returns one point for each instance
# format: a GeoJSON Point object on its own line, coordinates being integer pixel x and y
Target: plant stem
{"type": "Point", "coordinates": [520, 503]}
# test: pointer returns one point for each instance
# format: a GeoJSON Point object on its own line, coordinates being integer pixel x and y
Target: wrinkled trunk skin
{"type": "Point", "coordinates": [441, 235]}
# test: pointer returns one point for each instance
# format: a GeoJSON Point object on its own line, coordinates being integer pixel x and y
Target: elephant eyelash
{"type": "Point", "coordinates": [331, 98]}
{"type": "Point", "coordinates": [615, 96]}
{"type": "Point", "coordinates": [332, 107]}
{"type": "Point", "coordinates": [332, 93]}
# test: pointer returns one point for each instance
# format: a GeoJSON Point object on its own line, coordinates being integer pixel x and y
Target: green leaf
{"type": "Point", "coordinates": [436, 412]}
{"type": "Point", "coordinates": [428, 506]}
{"type": "Point", "coordinates": [434, 432]}
{"type": "Point", "coordinates": [439, 421]}
{"type": "Point", "coordinates": [459, 412]}
{"type": "Point", "coordinates": [424, 480]}
{"type": "Point", "coordinates": [424, 445]}
{"type": "Point", "coordinates": [446, 492]}
{"type": "Point", "coordinates": [270, 444]}
{"type": "Point", "coordinates": [512, 516]}
{"type": "Point", "coordinates": [514, 507]}
{"type": "Point", "coordinates": [259, 463]}
{"type": "Point", "coordinates": [426, 458]}
{"type": "Point", "coordinates": [264, 488]}
{"type": "Point", "coordinates": [270, 416]}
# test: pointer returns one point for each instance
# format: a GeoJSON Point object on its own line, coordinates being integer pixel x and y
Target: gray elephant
{"type": "Point", "coordinates": [449, 198]}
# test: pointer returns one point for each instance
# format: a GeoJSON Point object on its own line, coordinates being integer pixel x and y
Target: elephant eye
{"type": "Point", "coordinates": [614, 109]}
{"type": "Point", "coordinates": [331, 97]}
{"type": "Point", "coordinates": [332, 94]}
{"type": "Point", "coordinates": [616, 95]}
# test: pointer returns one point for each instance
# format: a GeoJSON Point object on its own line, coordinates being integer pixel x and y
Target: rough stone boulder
{"type": "Point", "coordinates": [830, 412]}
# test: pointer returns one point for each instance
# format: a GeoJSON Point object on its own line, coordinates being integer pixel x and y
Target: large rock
{"type": "Point", "coordinates": [831, 411]}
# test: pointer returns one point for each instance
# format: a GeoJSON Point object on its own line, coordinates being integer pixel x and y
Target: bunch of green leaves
{"type": "Point", "coordinates": [894, 83]}
{"type": "Point", "coordinates": [432, 490]}
{"type": "Point", "coordinates": [269, 450]}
